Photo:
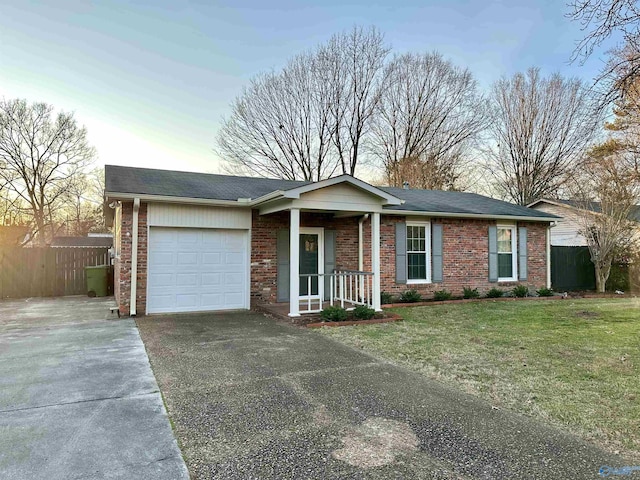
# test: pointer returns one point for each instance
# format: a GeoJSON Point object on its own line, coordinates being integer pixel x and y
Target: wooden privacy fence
{"type": "Point", "coordinates": [47, 272]}
{"type": "Point", "coordinates": [572, 269]}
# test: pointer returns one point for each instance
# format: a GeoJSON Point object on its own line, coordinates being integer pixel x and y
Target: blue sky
{"type": "Point", "coordinates": [152, 80]}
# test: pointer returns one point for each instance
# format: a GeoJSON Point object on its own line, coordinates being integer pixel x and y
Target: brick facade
{"type": "Point", "coordinates": [264, 254]}
{"type": "Point", "coordinates": [122, 265]}
{"type": "Point", "coordinates": [465, 254]}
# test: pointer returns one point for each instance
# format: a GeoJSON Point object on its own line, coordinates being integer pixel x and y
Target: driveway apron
{"type": "Point", "coordinates": [78, 399]}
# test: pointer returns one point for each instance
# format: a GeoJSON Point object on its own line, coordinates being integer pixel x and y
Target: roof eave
{"type": "Point", "coordinates": [171, 199]}
{"type": "Point", "coordinates": [424, 213]}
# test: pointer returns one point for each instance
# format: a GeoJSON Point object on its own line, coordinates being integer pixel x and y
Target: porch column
{"type": "Point", "coordinates": [375, 259]}
{"type": "Point", "coordinates": [294, 263]}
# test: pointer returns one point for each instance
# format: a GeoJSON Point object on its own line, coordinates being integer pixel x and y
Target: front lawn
{"type": "Point", "coordinates": [575, 363]}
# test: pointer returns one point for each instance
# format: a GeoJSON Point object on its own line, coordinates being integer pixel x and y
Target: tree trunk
{"type": "Point", "coordinates": [602, 275]}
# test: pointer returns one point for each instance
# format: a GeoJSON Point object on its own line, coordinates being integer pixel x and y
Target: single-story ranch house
{"type": "Point", "coordinates": [188, 242]}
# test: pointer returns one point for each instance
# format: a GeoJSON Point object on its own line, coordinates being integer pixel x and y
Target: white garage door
{"type": "Point", "coordinates": [192, 270]}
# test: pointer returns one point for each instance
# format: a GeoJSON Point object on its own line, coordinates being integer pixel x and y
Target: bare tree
{"type": "Point", "coordinates": [309, 120]}
{"type": "Point", "coordinates": [601, 20]}
{"type": "Point", "coordinates": [607, 189]}
{"type": "Point", "coordinates": [351, 68]}
{"type": "Point", "coordinates": [40, 155]}
{"type": "Point", "coordinates": [429, 114]}
{"type": "Point", "coordinates": [539, 128]}
{"type": "Point", "coordinates": [279, 126]}
{"type": "Point", "coordinates": [83, 204]}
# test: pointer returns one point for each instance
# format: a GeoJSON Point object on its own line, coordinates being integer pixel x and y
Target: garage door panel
{"type": "Point", "coordinates": [234, 258]}
{"type": "Point", "coordinates": [161, 258]}
{"type": "Point", "coordinates": [210, 279]}
{"type": "Point", "coordinates": [187, 279]}
{"type": "Point", "coordinates": [188, 237]}
{"type": "Point", "coordinates": [213, 301]}
{"type": "Point", "coordinates": [187, 258]}
{"type": "Point", "coordinates": [197, 269]}
{"type": "Point", "coordinates": [161, 301]}
{"type": "Point", "coordinates": [186, 300]}
{"type": "Point", "coordinates": [162, 280]}
{"type": "Point", "coordinates": [211, 258]}
{"type": "Point", "coordinates": [234, 279]}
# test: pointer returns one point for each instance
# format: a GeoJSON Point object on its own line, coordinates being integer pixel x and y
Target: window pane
{"type": "Point", "coordinates": [504, 240]}
{"type": "Point", "coordinates": [417, 263]}
{"type": "Point", "coordinates": [505, 265]}
{"type": "Point", "coordinates": [416, 238]}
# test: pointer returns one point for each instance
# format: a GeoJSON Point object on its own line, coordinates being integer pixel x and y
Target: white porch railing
{"type": "Point", "coordinates": [347, 288]}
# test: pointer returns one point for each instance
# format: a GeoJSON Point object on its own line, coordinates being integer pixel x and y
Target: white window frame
{"type": "Point", "coordinates": [427, 252]}
{"type": "Point", "coordinates": [514, 252]}
{"type": "Point", "coordinates": [320, 232]}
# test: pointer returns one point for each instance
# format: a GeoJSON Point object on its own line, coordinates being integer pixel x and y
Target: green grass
{"type": "Point", "coordinates": [574, 363]}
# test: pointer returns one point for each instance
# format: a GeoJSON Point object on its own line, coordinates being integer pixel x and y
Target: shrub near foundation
{"type": "Point", "coordinates": [334, 313]}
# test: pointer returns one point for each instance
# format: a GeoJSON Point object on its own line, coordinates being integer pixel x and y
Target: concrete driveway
{"type": "Point", "coordinates": [254, 399]}
{"type": "Point", "coordinates": [78, 399]}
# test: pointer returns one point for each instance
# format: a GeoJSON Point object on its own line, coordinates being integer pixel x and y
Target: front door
{"type": "Point", "coordinates": [311, 261]}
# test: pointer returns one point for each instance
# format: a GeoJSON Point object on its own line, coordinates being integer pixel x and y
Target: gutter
{"type": "Point", "coordinates": [413, 213]}
{"type": "Point", "coordinates": [244, 202]}
{"type": "Point", "coordinates": [279, 194]}
{"type": "Point", "coordinates": [134, 258]}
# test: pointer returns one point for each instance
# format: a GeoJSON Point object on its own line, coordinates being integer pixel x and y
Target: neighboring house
{"type": "Point", "coordinates": [92, 240]}
{"type": "Point", "coordinates": [566, 232]}
{"type": "Point", "coordinates": [195, 242]}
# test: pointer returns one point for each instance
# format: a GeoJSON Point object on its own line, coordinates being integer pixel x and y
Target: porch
{"type": "Point", "coordinates": [313, 266]}
{"type": "Point", "coordinates": [326, 249]}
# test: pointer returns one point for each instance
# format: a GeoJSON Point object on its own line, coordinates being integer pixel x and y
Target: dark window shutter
{"type": "Point", "coordinates": [493, 254]}
{"type": "Point", "coordinates": [401, 252]}
{"type": "Point", "coordinates": [283, 253]}
{"type": "Point", "coordinates": [329, 259]}
{"type": "Point", "coordinates": [522, 253]}
{"type": "Point", "coordinates": [436, 253]}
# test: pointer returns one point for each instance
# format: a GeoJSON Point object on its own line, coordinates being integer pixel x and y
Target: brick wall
{"type": "Point", "coordinates": [264, 249]}
{"type": "Point", "coordinates": [123, 265]}
{"type": "Point", "coordinates": [465, 257]}
{"type": "Point", "coordinates": [465, 253]}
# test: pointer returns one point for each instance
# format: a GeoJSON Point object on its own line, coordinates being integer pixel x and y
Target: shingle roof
{"type": "Point", "coordinates": [458, 202]}
{"type": "Point", "coordinates": [634, 213]}
{"type": "Point", "coordinates": [145, 181]}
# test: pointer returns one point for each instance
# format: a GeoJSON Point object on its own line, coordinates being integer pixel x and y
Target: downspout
{"type": "Point", "coordinates": [134, 257]}
{"type": "Point", "coordinates": [360, 242]}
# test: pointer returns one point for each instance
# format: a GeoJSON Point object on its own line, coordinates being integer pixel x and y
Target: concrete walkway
{"type": "Point", "coordinates": [78, 399]}
{"type": "Point", "coordinates": [254, 399]}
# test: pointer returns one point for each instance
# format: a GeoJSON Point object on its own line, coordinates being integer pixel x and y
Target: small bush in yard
{"type": "Point", "coordinates": [545, 292]}
{"type": "Point", "coordinates": [441, 295]}
{"type": "Point", "coordinates": [410, 296]}
{"type": "Point", "coordinates": [362, 312]}
{"type": "Point", "coordinates": [386, 298]}
{"type": "Point", "coordinates": [334, 314]}
{"type": "Point", "coordinates": [520, 291]}
{"type": "Point", "coordinates": [495, 293]}
{"type": "Point", "coordinates": [469, 292]}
